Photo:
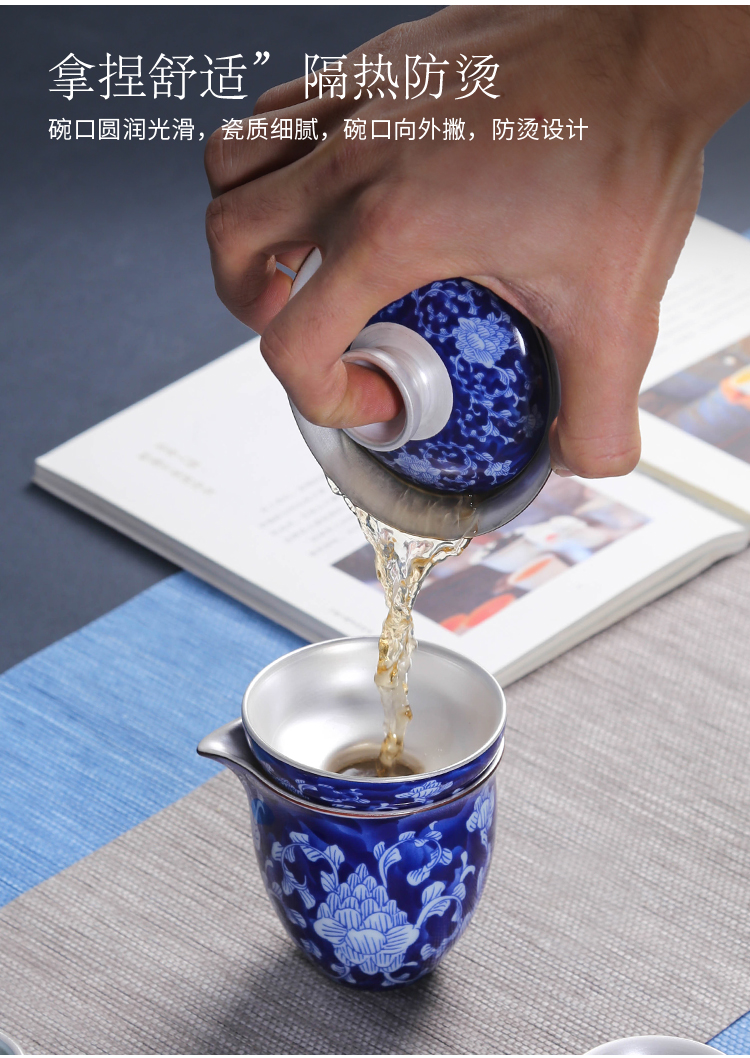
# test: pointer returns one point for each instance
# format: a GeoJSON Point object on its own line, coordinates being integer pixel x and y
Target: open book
{"type": "Point", "coordinates": [212, 473]}
{"type": "Point", "coordinates": [695, 397]}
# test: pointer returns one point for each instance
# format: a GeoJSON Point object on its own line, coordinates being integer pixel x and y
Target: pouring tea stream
{"type": "Point", "coordinates": [468, 451]}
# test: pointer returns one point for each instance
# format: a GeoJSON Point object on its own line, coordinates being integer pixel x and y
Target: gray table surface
{"type": "Point", "coordinates": [106, 292]}
{"type": "Point", "coordinates": [616, 904]}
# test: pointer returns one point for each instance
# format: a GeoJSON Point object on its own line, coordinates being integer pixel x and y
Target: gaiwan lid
{"type": "Point", "coordinates": [469, 449]}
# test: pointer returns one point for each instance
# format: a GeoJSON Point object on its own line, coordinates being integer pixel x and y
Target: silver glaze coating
{"type": "Point", "coordinates": [318, 702]}
{"type": "Point", "coordinates": [228, 744]}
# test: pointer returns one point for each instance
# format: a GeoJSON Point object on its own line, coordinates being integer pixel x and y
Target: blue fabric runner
{"type": "Point", "coordinates": [736, 1038]}
{"type": "Point", "coordinates": [99, 730]}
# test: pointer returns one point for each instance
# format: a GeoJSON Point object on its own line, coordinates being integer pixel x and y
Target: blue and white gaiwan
{"type": "Point", "coordinates": [479, 387]}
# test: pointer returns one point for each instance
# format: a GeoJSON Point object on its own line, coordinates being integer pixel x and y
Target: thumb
{"type": "Point", "coordinates": [303, 344]}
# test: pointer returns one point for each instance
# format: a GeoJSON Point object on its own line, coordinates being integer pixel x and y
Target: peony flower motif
{"type": "Point", "coordinates": [419, 469]}
{"type": "Point", "coordinates": [340, 798]}
{"type": "Point", "coordinates": [482, 341]}
{"type": "Point", "coordinates": [280, 779]}
{"type": "Point", "coordinates": [310, 948]}
{"type": "Point", "coordinates": [497, 470]}
{"type": "Point", "coordinates": [481, 818]}
{"type": "Point", "coordinates": [532, 422]}
{"type": "Point", "coordinates": [421, 794]}
{"type": "Point", "coordinates": [365, 928]}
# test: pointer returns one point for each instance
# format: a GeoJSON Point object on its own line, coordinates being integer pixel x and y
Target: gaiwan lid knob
{"type": "Point", "coordinates": [479, 387]}
{"type": "Point", "coordinates": [411, 363]}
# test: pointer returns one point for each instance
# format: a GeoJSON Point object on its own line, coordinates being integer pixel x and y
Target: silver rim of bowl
{"type": "Point", "coordinates": [8, 1045]}
{"type": "Point", "coordinates": [311, 806]}
{"type": "Point", "coordinates": [498, 735]}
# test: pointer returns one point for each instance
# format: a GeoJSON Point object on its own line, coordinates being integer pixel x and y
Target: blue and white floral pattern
{"type": "Point", "coordinates": [374, 902]}
{"type": "Point", "coordinates": [426, 792]}
{"type": "Point", "coordinates": [483, 814]}
{"type": "Point", "coordinates": [500, 384]}
{"type": "Point", "coordinates": [363, 795]}
{"type": "Point", "coordinates": [364, 927]}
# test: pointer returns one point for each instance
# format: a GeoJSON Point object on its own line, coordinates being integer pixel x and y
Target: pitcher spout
{"type": "Point", "coordinates": [228, 746]}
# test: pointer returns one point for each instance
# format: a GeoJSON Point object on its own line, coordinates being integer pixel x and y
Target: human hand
{"type": "Point", "coordinates": [580, 235]}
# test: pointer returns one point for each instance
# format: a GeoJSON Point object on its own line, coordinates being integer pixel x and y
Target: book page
{"type": "Point", "coordinates": [215, 464]}
{"type": "Point", "coordinates": [695, 398]}
{"type": "Point", "coordinates": [575, 549]}
{"type": "Point", "coordinates": [707, 302]}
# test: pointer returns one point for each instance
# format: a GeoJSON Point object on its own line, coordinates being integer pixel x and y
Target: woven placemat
{"type": "Point", "coordinates": [99, 730]}
{"type": "Point", "coordinates": [617, 904]}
